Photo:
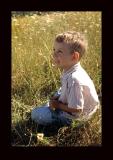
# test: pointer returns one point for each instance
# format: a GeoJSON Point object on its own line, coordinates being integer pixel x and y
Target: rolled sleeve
{"type": "Point", "coordinates": [75, 96]}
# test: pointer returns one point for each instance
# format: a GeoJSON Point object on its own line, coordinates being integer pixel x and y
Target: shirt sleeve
{"type": "Point", "coordinates": [75, 96]}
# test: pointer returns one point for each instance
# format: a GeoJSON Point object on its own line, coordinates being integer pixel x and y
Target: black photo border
{"type": "Point", "coordinates": [58, 153]}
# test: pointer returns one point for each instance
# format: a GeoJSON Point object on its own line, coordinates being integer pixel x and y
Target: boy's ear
{"type": "Point", "coordinates": [76, 56]}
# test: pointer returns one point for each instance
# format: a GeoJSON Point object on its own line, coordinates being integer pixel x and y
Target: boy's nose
{"type": "Point", "coordinates": [55, 54]}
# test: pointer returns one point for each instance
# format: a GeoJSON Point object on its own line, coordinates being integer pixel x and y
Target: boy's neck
{"type": "Point", "coordinates": [66, 69]}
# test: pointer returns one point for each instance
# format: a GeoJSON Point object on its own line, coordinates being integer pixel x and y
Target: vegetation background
{"type": "Point", "coordinates": [34, 78]}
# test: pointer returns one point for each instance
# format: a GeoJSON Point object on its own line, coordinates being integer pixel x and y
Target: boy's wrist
{"type": "Point", "coordinates": [54, 98]}
{"type": "Point", "coordinates": [54, 103]}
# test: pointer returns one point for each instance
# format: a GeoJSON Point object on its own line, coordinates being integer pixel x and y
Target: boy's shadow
{"type": "Point", "coordinates": [25, 131]}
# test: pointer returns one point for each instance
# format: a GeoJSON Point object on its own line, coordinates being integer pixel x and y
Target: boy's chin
{"type": "Point", "coordinates": [57, 66]}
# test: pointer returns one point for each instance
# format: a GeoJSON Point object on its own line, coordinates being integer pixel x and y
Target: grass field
{"type": "Point", "coordinates": [33, 76]}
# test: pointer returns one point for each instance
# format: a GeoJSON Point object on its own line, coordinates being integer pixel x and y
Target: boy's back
{"type": "Point", "coordinates": [78, 90]}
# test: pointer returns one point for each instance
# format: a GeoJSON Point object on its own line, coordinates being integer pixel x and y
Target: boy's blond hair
{"type": "Point", "coordinates": [75, 40]}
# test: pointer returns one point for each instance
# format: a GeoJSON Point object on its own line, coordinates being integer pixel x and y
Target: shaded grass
{"type": "Point", "coordinates": [80, 133]}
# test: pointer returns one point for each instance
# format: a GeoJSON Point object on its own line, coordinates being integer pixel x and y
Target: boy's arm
{"type": "Point", "coordinates": [63, 107]}
{"type": "Point", "coordinates": [54, 97]}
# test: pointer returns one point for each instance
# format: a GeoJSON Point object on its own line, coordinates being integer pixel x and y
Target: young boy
{"type": "Point", "coordinates": [77, 97]}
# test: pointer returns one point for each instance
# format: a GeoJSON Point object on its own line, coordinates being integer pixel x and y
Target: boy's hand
{"type": "Point", "coordinates": [54, 98]}
{"type": "Point", "coordinates": [53, 103]}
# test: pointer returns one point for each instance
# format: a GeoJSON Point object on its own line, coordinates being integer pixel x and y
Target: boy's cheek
{"type": "Point", "coordinates": [57, 62]}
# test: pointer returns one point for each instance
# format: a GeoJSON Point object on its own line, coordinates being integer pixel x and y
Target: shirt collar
{"type": "Point", "coordinates": [72, 69]}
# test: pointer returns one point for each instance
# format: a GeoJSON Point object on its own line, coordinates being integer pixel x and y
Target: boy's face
{"type": "Point", "coordinates": [62, 56]}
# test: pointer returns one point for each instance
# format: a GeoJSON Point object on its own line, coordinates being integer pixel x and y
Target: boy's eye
{"type": "Point", "coordinates": [59, 51]}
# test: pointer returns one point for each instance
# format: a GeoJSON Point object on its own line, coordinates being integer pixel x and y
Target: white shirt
{"type": "Point", "coordinates": [78, 91]}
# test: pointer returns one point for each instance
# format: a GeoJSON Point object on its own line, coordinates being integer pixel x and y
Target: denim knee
{"type": "Point", "coordinates": [41, 115]}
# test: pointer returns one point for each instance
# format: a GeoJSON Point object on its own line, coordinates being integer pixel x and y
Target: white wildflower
{"type": "Point", "coordinates": [40, 136]}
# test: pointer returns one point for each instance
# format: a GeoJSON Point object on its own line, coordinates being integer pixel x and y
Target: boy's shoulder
{"type": "Point", "coordinates": [80, 77]}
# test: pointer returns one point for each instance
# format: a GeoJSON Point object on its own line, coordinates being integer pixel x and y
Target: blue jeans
{"type": "Point", "coordinates": [44, 115]}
